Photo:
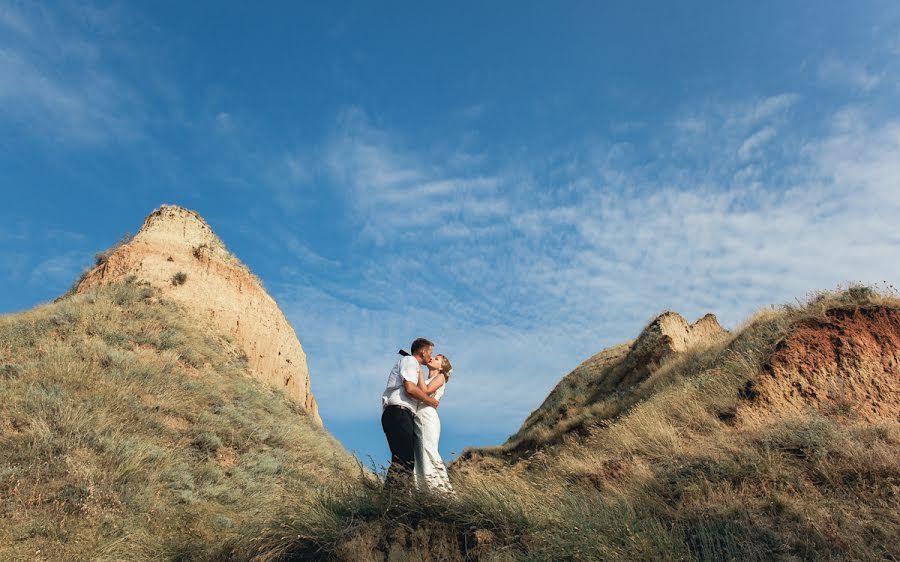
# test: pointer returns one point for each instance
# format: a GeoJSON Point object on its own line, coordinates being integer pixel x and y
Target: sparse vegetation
{"type": "Point", "coordinates": [179, 278]}
{"type": "Point", "coordinates": [100, 258]}
{"type": "Point", "coordinates": [198, 251]}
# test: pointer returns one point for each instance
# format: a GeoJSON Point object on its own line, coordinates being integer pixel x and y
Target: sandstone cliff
{"type": "Point", "coordinates": [177, 252]}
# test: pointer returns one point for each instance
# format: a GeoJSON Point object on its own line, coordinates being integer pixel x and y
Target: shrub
{"type": "Point", "coordinates": [206, 442]}
{"type": "Point", "coordinates": [10, 370]}
{"type": "Point", "coordinates": [199, 250]}
{"type": "Point", "coordinates": [101, 257]}
{"type": "Point", "coordinates": [179, 278]}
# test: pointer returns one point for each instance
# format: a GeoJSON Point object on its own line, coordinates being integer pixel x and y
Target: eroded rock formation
{"type": "Point", "coordinates": [177, 251]}
{"type": "Point", "coordinates": [667, 335]}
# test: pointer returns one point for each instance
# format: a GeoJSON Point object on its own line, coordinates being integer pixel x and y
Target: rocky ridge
{"type": "Point", "coordinates": [614, 373]}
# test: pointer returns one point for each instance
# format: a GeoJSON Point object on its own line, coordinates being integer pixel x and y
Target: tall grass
{"type": "Point", "coordinates": [673, 475]}
{"type": "Point", "coordinates": [129, 430]}
{"type": "Point", "coordinates": [129, 433]}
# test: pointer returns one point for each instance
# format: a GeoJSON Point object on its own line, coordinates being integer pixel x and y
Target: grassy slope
{"type": "Point", "coordinates": [127, 433]}
{"type": "Point", "coordinates": [671, 476]}
{"type": "Point", "coordinates": [130, 431]}
{"type": "Point", "coordinates": [570, 403]}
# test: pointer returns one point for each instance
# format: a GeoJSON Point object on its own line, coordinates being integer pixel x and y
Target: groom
{"type": "Point", "coordinates": [399, 403]}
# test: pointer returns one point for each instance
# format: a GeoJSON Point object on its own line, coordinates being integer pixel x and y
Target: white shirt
{"type": "Point", "coordinates": [407, 368]}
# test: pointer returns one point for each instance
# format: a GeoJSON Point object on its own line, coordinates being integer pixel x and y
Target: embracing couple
{"type": "Point", "coordinates": [410, 420]}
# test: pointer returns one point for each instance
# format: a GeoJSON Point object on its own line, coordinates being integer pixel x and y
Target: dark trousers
{"type": "Point", "coordinates": [399, 428]}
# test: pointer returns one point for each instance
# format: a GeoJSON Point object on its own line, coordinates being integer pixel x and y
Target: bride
{"type": "Point", "coordinates": [430, 471]}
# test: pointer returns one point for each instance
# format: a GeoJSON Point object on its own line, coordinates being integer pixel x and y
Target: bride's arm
{"type": "Point", "coordinates": [431, 388]}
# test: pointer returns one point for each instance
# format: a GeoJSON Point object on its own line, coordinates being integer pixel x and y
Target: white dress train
{"type": "Point", "coordinates": [430, 471]}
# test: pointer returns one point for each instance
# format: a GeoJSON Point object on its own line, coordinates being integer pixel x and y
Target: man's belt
{"type": "Point", "coordinates": [402, 407]}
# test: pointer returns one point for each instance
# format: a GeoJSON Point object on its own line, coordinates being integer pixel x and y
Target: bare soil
{"type": "Point", "coordinates": [847, 361]}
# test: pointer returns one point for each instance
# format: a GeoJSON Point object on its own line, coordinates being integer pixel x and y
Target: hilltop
{"type": "Point", "coordinates": [842, 357]}
{"type": "Point", "coordinates": [176, 252]}
{"type": "Point", "coordinates": [607, 383]}
{"type": "Point", "coordinates": [160, 410]}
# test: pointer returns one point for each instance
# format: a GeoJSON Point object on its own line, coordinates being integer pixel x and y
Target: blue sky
{"type": "Point", "coordinates": [524, 183]}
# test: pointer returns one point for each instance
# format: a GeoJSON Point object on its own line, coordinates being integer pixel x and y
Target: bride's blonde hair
{"type": "Point", "coordinates": [446, 368]}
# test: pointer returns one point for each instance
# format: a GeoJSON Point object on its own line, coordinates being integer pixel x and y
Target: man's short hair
{"type": "Point", "coordinates": [419, 344]}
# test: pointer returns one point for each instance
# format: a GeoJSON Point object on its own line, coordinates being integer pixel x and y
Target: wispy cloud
{"type": "Point", "coordinates": [841, 72]}
{"type": "Point", "coordinates": [54, 85]}
{"type": "Point", "coordinates": [399, 191]}
{"type": "Point", "coordinates": [754, 112]}
{"type": "Point", "coordinates": [224, 122]}
{"type": "Point", "coordinates": [554, 270]}
{"type": "Point", "coordinates": [754, 141]}
{"type": "Point", "coordinates": [42, 255]}
{"type": "Point", "coordinates": [58, 271]}
{"type": "Point", "coordinates": [14, 264]}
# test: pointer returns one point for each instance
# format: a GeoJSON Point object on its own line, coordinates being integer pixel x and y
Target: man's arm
{"type": "Point", "coordinates": [422, 381]}
{"type": "Point", "coordinates": [419, 394]}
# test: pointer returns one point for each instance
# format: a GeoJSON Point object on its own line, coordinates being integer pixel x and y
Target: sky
{"type": "Point", "coordinates": [524, 183]}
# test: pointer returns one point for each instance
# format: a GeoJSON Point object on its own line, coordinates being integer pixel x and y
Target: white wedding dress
{"type": "Point", "coordinates": [430, 471]}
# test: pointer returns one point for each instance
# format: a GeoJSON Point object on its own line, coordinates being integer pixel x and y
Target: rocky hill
{"type": "Point", "coordinates": [133, 429]}
{"type": "Point", "coordinates": [780, 440]}
{"type": "Point", "coordinates": [610, 381]}
{"type": "Point", "coordinates": [177, 252]}
{"type": "Point", "coordinates": [848, 358]}
{"type": "Point", "coordinates": [161, 410]}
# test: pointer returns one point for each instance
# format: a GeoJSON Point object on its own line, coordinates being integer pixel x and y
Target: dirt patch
{"type": "Point", "coordinates": [847, 362]}
{"type": "Point", "coordinates": [227, 457]}
{"type": "Point", "coordinates": [425, 542]}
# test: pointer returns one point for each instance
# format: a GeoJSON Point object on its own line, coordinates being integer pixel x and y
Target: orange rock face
{"type": "Point", "coordinates": [850, 359]}
{"type": "Point", "coordinates": [173, 242]}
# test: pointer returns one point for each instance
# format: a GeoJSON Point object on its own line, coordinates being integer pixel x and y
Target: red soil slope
{"type": "Point", "coordinates": [849, 360]}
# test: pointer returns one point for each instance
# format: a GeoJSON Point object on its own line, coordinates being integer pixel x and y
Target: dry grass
{"type": "Point", "coordinates": [128, 433]}
{"type": "Point", "coordinates": [672, 476]}
{"type": "Point", "coordinates": [591, 394]}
